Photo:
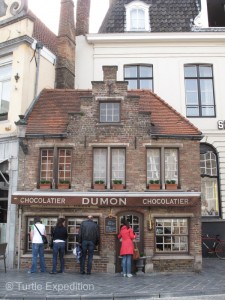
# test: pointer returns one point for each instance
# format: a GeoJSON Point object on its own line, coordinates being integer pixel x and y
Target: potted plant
{"type": "Point", "coordinates": [154, 184]}
{"type": "Point", "coordinates": [45, 184]}
{"type": "Point", "coordinates": [171, 185]}
{"type": "Point", "coordinates": [63, 184]}
{"type": "Point", "coordinates": [117, 184]}
{"type": "Point", "coordinates": [99, 184]}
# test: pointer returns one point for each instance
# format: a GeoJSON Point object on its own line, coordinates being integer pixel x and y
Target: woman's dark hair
{"type": "Point", "coordinates": [127, 224]}
{"type": "Point", "coordinates": [60, 222]}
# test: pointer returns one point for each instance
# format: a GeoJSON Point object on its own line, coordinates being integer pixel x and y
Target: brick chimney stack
{"type": "Point", "coordinates": [83, 14]}
{"type": "Point", "coordinates": [65, 68]}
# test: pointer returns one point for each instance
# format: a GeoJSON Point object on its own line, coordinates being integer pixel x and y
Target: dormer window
{"type": "Point", "coordinates": [137, 16]}
{"type": "Point", "coordinates": [109, 112]}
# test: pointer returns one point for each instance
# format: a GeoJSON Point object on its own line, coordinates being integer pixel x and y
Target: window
{"type": "Point", "coordinates": [72, 224]}
{"type": "Point", "coordinates": [199, 91]}
{"type": "Point", "coordinates": [109, 164]}
{"type": "Point", "coordinates": [5, 86]}
{"type": "Point", "coordinates": [209, 182]}
{"type": "Point", "coordinates": [216, 13]}
{"type": "Point", "coordinates": [56, 159]}
{"type": "Point", "coordinates": [162, 164]}
{"type": "Point", "coordinates": [109, 112]}
{"type": "Point", "coordinates": [139, 76]}
{"type": "Point", "coordinates": [137, 16]}
{"type": "Point", "coordinates": [171, 235]}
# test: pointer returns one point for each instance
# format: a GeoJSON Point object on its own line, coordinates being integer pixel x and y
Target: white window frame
{"type": "Point", "coordinates": [137, 5]}
{"type": "Point", "coordinates": [5, 61]}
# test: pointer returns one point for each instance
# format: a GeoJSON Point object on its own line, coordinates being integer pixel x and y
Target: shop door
{"type": "Point", "coordinates": [136, 222]}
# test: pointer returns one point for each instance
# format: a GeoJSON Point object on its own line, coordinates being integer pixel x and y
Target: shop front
{"type": "Point", "coordinates": [167, 225]}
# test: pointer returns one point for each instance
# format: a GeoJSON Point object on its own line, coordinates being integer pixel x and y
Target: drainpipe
{"type": "Point", "coordinates": [19, 238]}
{"type": "Point", "coordinates": [39, 46]}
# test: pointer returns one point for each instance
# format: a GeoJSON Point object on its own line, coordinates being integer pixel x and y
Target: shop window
{"type": "Point", "coordinates": [55, 166]}
{"type": "Point", "coordinates": [139, 76]}
{"type": "Point", "coordinates": [137, 16]}
{"type": "Point", "coordinates": [109, 112]}
{"type": "Point", "coordinates": [134, 222]}
{"type": "Point", "coordinates": [209, 181]}
{"type": "Point", "coordinates": [199, 91]}
{"type": "Point", "coordinates": [72, 224]}
{"type": "Point", "coordinates": [5, 86]}
{"type": "Point", "coordinates": [171, 235]}
{"type": "Point", "coordinates": [162, 165]}
{"type": "Point", "coordinates": [111, 169]}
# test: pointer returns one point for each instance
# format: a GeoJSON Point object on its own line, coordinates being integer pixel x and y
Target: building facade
{"type": "Point", "coordinates": [124, 140]}
{"type": "Point", "coordinates": [27, 59]}
{"type": "Point", "coordinates": [179, 56]}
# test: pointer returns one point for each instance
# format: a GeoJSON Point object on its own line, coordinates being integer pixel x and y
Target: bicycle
{"type": "Point", "coordinates": [218, 246]}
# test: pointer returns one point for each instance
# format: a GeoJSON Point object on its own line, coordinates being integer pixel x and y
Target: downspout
{"type": "Point", "coordinates": [39, 46]}
{"type": "Point", "coordinates": [19, 238]}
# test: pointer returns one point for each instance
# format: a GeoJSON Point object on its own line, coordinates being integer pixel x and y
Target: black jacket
{"type": "Point", "coordinates": [89, 231]}
{"type": "Point", "coordinates": [59, 233]}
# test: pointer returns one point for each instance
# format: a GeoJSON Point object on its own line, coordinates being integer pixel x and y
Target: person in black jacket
{"type": "Point", "coordinates": [88, 238]}
{"type": "Point", "coordinates": [59, 235]}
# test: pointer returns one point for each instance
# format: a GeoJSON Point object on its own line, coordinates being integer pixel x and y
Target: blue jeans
{"type": "Point", "coordinates": [126, 263]}
{"type": "Point", "coordinates": [58, 248]}
{"type": "Point", "coordinates": [87, 247]}
{"type": "Point", "coordinates": [38, 249]}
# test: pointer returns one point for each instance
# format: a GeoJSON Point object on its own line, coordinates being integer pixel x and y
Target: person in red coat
{"type": "Point", "coordinates": [127, 247]}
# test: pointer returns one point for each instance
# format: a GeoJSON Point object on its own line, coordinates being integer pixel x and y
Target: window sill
{"type": "Point", "coordinates": [108, 190]}
{"type": "Point", "coordinates": [110, 124]}
{"type": "Point", "coordinates": [175, 256]}
{"type": "Point", "coordinates": [163, 190]}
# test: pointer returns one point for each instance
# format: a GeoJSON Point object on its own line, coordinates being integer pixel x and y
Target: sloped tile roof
{"type": "Point", "coordinates": [50, 113]}
{"type": "Point", "coordinates": [43, 34]}
{"type": "Point", "coordinates": [165, 15]}
{"type": "Point", "coordinates": [165, 119]}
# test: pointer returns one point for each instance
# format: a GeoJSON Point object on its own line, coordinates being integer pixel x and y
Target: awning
{"type": "Point", "coordinates": [3, 160]}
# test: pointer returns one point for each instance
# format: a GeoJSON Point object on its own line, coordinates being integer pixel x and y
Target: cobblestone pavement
{"type": "Point", "coordinates": [209, 284]}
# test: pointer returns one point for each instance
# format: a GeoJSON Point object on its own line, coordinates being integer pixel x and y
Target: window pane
{"type": "Point", "coordinates": [146, 84]}
{"type": "Point", "coordinates": [118, 164]}
{"type": "Point", "coordinates": [171, 164]}
{"type": "Point", "coordinates": [145, 71]}
{"type": "Point", "coordinates": [208, 162]}
{"type": "Point", "coordinates": [100, 163]}
{"type": "Point", "coordinates": [206, 86]}
{"type": "Point", "coordinates": [190, 71]}
{"type": "Point", "coordinates": [137, 19]}
{"type": "Point", "coordinates": [64, 165]}
{"type": "Point", "coordinates": [193, 111]}
{"type": "Point", "coordinates": [209, 189]}
{"type": "Point", "coordinates": [46, 169]}
{"type": "Point", "coordinates": [191, 88]}
{"type": "Point", "coordinates": [131, 71]}
{"type": "Point", "coordinates": [171, 235]}
{"type": "Point", "coordinates": [153, 164]}
{"type": "Point", "coordinates": [132, 84]}
{"type": "Point", "coordinates": [109, 112]}
{"type": "Point", "coordinates": [205, 71]}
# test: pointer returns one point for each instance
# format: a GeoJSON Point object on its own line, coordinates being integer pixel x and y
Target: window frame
{"type": "Point", "coordinates": [138, 79]}
{"type": "Point", "coordinates": [56, 179]}
{"type": "Point", "coordinates": [108, 180]}
{"type": "Point", "coordinates": [198, 78]}
{"type": "Point", "coordinates": [5, 61]}
{"type": "Point", "coordinates": [137, 5]}
{"type": "Point", "coordinates": [165, 236]}
{"type": "Point", "coordinates": [162, 165]}
{"type": "Point", "coordinates": [119, 111]}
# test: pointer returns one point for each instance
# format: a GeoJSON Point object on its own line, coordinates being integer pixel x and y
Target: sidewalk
{"type": "Point", "coordinates": [209, 284]}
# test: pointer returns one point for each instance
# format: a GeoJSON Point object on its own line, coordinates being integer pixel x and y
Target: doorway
{"type": "Point", "coordinates": [136, 222]}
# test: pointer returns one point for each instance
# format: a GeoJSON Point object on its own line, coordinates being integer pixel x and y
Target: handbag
{"type": "Point", "coordinates": [44, 239]}
{"type": "Point", "coordinates": [136, 254]}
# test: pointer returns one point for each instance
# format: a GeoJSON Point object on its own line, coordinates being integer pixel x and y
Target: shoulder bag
{"type": "Point", "coordinates": [44, 239]}
{"type": "Point", "coordinates": [136, 254]}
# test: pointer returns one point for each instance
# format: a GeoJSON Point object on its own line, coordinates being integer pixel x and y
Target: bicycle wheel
{"type": "Point", "coordinates": [220, 250]}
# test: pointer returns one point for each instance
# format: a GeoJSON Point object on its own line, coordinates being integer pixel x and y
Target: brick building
{"type": "Point", "coordinates": [109, 133]}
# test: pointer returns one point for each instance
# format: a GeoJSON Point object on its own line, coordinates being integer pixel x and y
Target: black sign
{"type": "Point", "coordinates": [111, 225]}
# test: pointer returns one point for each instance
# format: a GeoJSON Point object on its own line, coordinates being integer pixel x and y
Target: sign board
{"type": "Point", "coordinates": [111, 225]}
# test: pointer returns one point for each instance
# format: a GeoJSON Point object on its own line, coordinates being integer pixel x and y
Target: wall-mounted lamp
{"type": "Point", "coordinates": [17, 77]}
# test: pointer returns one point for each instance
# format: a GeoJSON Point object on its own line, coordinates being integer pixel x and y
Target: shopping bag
{"type": "Point", "coordinates": [136, 254]}
{"type": "Point", "coordinates": [77, 251]}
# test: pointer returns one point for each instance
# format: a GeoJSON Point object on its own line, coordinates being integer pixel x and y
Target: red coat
{"type": "Point", "coordinates": [127, 236]}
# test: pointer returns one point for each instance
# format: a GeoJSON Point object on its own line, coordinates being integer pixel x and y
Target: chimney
{"type": "Point", "coordinates": [83, 14]}
{"type": "Point", "coordinates": [65, 67]}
